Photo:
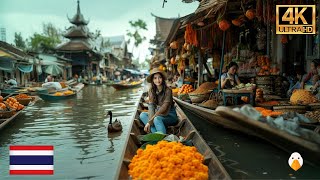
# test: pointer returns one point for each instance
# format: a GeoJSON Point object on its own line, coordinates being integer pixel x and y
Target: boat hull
{"type": "Point", "coordinates": [309, 150]}
{"type": "Point", "coordinates": [49, 97]}
{"type": "Point", "coordinates": [125, 86]}
{"type": "Point", "coordinates": [211, 116]}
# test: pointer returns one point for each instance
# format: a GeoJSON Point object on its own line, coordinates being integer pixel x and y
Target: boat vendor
{"type": "Point", "coordinates": [12, 82]}
{"type": "Point", "coordinates": [230, 79]}
{"type": "Point", "coordinates": [161, 111]}
{"type": "Point", "coordinates": [314, 70]}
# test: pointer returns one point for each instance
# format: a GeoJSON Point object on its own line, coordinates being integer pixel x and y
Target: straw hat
{"type": "Point", "coordinates": [154, 71]}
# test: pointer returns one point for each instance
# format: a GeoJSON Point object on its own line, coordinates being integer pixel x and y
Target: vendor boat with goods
{"type": "Point", "coordinates": [125, 85]}
{"type": "Point", "coordinates": [13, 106]}
{"type": "Point", "coordinates": [133, 166]}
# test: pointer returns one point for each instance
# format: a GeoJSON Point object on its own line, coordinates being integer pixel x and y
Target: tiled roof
{"type": "Point", "coordinates": [75, 45]}
{"type": "Point", "coordinates": [163, 26]}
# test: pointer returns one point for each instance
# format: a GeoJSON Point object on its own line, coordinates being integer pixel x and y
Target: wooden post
{"type": "Point", "coordinates": [200, 69]}
{"type": "Point", "coordinates": [222, 59]}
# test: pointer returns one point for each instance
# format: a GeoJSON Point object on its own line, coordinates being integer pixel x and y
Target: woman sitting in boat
{"type": "Point", "coordinates": [230, 79]}
{"type": "Point", "coordinates": [161, 111]}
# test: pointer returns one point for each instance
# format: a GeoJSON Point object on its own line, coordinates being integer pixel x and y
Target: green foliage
{"type": "Point", "coordinates": [137, 26]}
{"type": "Point", "coordinates": [48, 40]}
{"type": "Point", "coordinates": [42, 43]}
{"type": "Point", "coordinates": [157, 136]}
{"type": "Point", "coordinates": [18, 40]}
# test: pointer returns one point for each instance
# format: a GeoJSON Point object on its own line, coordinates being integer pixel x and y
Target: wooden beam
{"type": "Point", "coordinates": [200, 69]}
{"type": "Point", "coordinates": [222, 59]}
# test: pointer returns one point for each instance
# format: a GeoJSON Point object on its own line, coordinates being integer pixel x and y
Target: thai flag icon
{"type": "Point", "coordinates": [31, 160]}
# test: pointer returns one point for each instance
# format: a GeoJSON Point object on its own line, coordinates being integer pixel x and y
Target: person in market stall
{"type": "Point", "coordinates": [314, 70]}
{"type": "Point", "coordinates": [316, 86]}
{"type": "Point", "coordinates": [230, 79]}
{"type": "Point", "coordinates": [161, 111]}
{"type": "Point", "coordinates": [49, 79]}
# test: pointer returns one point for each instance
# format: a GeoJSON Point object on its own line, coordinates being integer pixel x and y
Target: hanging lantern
{"type": "Point", "coordinates": [224, 25]}
{"type": "Point", "coordinates": [250, 14]}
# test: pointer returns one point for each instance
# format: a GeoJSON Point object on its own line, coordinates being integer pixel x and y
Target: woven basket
{"type": "Point", "coordinates": [6, 114]}
{"type": "Point", "coordinates": [299, 109]}
{"type": "Point", "coordinates": [24, 101]}
{"type": "Point", "coordinates": [314, 106]}
{"type": "Point", "coordinates": [199, 98]}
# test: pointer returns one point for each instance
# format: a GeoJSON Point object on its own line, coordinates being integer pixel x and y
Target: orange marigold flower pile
{"type": "Point", "coordinates": [168, 160]}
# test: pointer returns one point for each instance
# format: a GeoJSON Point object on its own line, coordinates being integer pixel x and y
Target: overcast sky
{"type": "Point", "coordinates": [109, 16]}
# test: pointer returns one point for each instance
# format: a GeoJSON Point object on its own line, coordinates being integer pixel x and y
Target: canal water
{"type": "Point", "coordinates": [247, 157]}
{"type": "Point", "coordinates": [84, 150]}
{"type": "Point", "coordinates": [77, 129]}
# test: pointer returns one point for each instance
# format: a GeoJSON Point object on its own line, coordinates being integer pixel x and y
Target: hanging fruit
{"type": "Point", "coordinates": [173, 60]}
{"type": "Point", "coordinates": [250, 14]}
{"type": "Point", "coordinates": [236, 22]}
{"type": "Point", "coordinates": [174, 45]}
{"type": "Point", "coordinates": [224, 25]}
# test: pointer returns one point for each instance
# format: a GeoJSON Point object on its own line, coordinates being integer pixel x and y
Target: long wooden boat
{"type": "Point", "coordinates": [119, 86]}
{"type": "Point", "coordinates": [216, 170]}
{"type": "Point", "coordinates": [4, 122]}
{"type": "Point", "coordinates": [309, 150]}
{"type": "Point", "coordinates": [78, 87]}
{"type": "Point", "coordinates": [51, 97]}
{"type": "Point", "coordinates": [213, 117]}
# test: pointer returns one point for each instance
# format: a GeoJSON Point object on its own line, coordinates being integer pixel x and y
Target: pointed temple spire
{"type": "Point", "coordinates": [78, 18]}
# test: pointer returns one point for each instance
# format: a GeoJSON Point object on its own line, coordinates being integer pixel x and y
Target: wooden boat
{"type": "Point", "coordinates": [213, 117]}
{"type": "Point", "coordinates": [216, 170]}
{"type": "Point", "coordinates": [119, 86]}
{"type": "Point", "coordinates": [309, 150]}
{"type": "Point", "coordinates": [77, 88]}
{"type": "Point", "coordinates": [4, 122]}
{"type": "Point", "coordinates": [51, 97]}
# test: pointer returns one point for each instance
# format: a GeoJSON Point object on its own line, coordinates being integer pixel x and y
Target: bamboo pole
{"type": "Point", "coordinates": [200, 70]}
{"type": "Point", "coordinates": [222, 59]}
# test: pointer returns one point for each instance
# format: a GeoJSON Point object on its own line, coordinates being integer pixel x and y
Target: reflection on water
{"type": "Point", "coordinates": [249, 157]}
{"type": "Point", "coordinates": [78, 130]}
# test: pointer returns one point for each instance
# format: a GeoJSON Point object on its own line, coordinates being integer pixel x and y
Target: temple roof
{"type": "Point", "coordinates": [163, 26]}
{"type": "Point", "coordinates": [78, 18]}
{"type": "Point", "coordinates": [77, 32]}
{"type": "Point", "coordinates": [75, 45]}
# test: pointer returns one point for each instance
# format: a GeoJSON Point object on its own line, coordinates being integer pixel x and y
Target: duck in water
{"type": "Point", "coordinates": [114, 126]}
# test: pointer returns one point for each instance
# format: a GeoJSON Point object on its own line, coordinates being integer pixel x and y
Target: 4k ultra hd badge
{"type": "Point", "coordinates": [295, 19]}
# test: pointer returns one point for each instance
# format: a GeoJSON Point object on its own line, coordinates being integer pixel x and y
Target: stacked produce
{"type": "Point", "coordinates": [313, 115]}
{"type": "Point", "coordinates": [22, 96]}
{"type": "Point", "coordinates": [168, 160]}
{"type": "Point", "coordinates": [210, 103]}
{"type": "Point", "coordinates": [204, 88]}
{"type": "Point", "coordinates": [58, 94]}
{"type": "Point", "coordinates": [175, 91]}
{"type": "Point", "coordinates": [185, 89]}
{"type": "Point", "coordinates": [301, 96]}
{"type": "Point", "coordinates": [259, 96]}
{"type": "Point", "coordinates": [68, 92]}
{"type": "Point", "coordinates": [268, 112]}
{"type": "Point", "coordinates": [12, 103]}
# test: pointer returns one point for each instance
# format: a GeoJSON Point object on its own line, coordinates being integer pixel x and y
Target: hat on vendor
{"type": "Point", "coordinates": [155, 71]}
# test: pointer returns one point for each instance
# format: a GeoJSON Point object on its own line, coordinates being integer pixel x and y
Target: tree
{"type": "Point", "coordinates": [18, 40]}
{"type": "Point", "coordinates": [137, 26]}
{"type": "Point", "coordinates": [48, 40]}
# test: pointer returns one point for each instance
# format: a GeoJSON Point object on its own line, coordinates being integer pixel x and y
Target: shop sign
{"type": "Point", "coordinates": [295, 19]}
